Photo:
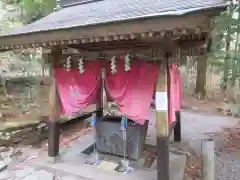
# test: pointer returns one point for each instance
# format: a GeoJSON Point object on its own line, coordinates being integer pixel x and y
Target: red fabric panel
{"type": "Point", "coordinates": [171, 95]}
{"type": "Point", "coordinates": [179, 90]}
{"type": "Point", "coordinates": [133, 90]}
{"type": "Point", "coordinates": [174, 84]}
{"type": "Point", "coordinates": [116, 84]}
{"type": "Point", "coordinates": [89, 83]}
{"type": "Point", "coordinates": [77, 91]}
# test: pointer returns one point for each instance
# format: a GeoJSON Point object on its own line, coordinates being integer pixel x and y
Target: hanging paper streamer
{"type": "Point", "coordinates": [127, 65]}
{"type": "Point", "coordinates": [81, 66]}
{"type": "Point", "coordinates": [113, 65]}
{"type": "Point", "coordinates": [68, 63]}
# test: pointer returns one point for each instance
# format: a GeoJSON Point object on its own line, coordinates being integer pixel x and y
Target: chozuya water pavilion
{"type": "Point", "coordinates": [130, 48]}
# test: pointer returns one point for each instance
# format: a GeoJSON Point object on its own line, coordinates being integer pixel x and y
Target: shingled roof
{"type": "Point", "coordinates": [107, 11]}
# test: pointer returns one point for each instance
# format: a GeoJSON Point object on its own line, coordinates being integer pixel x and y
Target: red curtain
{"type": "Point", "coordinates": [174, 90]}
{"type": "Point", "coordinates": [132, 91]}
{"type": "Point", "coordinates": [171, 94]}
{"type": "Point", "coordinates": [77, 91]}
{"type": "Point", "coordinates": [116, 85]}
{"type": "Point", "coordinates": [179, 89]}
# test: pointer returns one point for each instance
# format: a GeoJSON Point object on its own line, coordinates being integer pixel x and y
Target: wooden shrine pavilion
{"type": "Point", "coordinates": [158, 31]}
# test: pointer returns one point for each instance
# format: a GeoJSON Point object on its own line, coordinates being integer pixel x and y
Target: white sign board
{"type": "Point", "coordinates": [161, 101]}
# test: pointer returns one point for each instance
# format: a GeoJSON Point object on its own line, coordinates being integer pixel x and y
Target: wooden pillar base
{"type": "Point", "coordinates": [53, 138]}
{"type": "Point", "coordinates": [99, 113]}
{"type": "Point", "coordinates": [177, 128]}
{"type": "Point", "coordinates": [53, 160]}
{"type": "Point", "coordinates": [163, 158]}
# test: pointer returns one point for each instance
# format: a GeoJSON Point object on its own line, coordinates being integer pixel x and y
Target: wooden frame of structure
{"type": "Point", "coordinates": [162, 39]}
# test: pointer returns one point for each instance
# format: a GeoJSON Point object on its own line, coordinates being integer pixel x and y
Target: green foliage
{"type": "Point", "coordinates": [225, 55]}
{"type": "Point", "coordinates": [11, 1]}
{"type": "Point", "coordinates": [225, 52]}
{"type": "Point", "coordinates": [33, 10]}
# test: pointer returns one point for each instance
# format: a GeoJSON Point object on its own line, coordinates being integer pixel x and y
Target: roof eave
{"type": "Point", "coordinates": [217, 10]}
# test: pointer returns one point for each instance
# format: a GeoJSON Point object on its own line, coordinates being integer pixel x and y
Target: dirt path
{"type": "Point", "coordinates": [196, 126]}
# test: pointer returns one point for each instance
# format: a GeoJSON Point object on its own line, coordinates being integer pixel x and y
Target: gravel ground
{"type": "Point", "coordinates": [195, 125]}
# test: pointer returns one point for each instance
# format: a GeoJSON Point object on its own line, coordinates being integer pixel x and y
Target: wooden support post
{"type": "Point", "coordinates": [99, 105]}
{"type": "Point", "coordinates": [208, 159]}
{"type": "Point", "coordinates": [99, 113]}
{"type": "Point", "coordinates": [53, 138]}
{"type": "Point", "coordinates": [54, 123]}
{"type": "Point", "coordinates": [161, 101]}
{"type": "Point", "coordinates": [177, 128]}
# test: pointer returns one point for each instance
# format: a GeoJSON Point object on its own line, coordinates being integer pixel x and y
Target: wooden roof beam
{"type": "Point", "coordinates": [182, 34]}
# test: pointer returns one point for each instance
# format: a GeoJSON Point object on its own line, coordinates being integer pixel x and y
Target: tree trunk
{"type": "Point", "coordinates": [200, 90]}
{"type": "Point", "coordinates": [234, 62]}
{"type": "Point", "coordinates": [226, 62]}
{"type": "Point", "coordinates": [227, 58]}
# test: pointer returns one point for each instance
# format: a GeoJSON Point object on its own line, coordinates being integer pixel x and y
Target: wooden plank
{"type": "Point", "coordinates": [14, 126]}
